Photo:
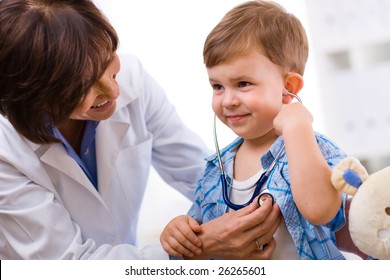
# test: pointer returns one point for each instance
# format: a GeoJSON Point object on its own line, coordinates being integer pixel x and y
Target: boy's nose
{"type": "Point", "coordinates": [230, 98]}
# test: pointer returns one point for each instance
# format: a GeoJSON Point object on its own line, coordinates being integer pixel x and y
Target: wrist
{"type": "Point", "coordinates": [296, 128]}
{"type": "Point", "coordinates": [211, 247]}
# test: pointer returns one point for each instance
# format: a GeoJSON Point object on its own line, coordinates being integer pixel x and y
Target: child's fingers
{"type": "Point", "coordinates": [172, 252]}
{"type": "Point", "coordinates": [194, 225]}
{"type": "Point", "coordinates": [196, 228]}
{"type": "Point", "coordinates": [181, 245]}
{"type": "Point", "coordinates": [187, 238]}
{"type": "Point", "coordinates": [179, 237]}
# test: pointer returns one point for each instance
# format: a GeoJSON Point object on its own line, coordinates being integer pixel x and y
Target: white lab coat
{"type": "Point", "coordinates": [50, 210]}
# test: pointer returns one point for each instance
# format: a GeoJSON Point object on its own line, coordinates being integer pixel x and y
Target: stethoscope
{"type": "Point", "coordinates": [263, 178]}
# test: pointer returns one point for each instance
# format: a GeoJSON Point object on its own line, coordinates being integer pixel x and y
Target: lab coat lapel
{"type": "Point", "coordinates": [109, 136]}
{"type": "Point", "coordinates": [77, 200]}
{"type": "Point", "coordinates": [67, 165]}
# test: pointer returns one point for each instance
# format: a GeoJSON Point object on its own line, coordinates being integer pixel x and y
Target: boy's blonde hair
{"type": "Point", "coordinates": [258, 26]}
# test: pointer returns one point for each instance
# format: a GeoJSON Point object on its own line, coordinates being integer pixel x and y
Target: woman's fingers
{"type": "Point", "coordinates": [265, 231]}
{"type": "Point", "coordinates": [252, 215]}
{"type": "Point", "coordinates": [266, 252]}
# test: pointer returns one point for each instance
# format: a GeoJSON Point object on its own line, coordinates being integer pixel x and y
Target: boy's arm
{"type": "Point", "coordinates": [309, 172]}
{"type": "Point", "coordinates": [179, 237]}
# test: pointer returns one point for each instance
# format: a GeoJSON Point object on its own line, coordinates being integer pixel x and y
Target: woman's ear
{"type": "Point", "coordinates": [293, 82]}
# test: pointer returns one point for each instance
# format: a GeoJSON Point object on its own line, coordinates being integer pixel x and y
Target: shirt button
{"type": "Point", "coordinates": [86, 152]}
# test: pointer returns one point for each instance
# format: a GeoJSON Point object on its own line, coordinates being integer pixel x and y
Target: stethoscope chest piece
{"type": "Point", "coordinates": [261, 199]}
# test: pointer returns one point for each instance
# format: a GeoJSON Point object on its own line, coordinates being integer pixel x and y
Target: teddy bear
{"type": "Point", "coordinates": [369, 213]}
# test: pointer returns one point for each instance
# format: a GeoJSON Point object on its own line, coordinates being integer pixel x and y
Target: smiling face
{"type": "Point", "coordinates": [247, 94]}
{"type": "Point", "coordinates": [100, 102]}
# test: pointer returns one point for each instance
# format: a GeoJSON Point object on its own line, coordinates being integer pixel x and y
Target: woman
{"type": "Point", "coordinates": [78, 137]}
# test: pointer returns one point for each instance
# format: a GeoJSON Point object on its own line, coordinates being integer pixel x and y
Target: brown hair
{"type": "Point", "coordinates": [51, 53]}
{"type": "Point", "coordinates": [262, 26]}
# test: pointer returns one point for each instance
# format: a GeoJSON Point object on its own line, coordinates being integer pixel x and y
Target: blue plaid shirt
{"type": "Point", "coordinates": [312, 242]}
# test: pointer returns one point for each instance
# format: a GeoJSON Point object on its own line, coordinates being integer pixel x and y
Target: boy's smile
{"type": "Point", "coordinates": [247, 93]}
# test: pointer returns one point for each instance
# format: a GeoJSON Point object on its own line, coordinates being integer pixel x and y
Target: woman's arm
{"type": "Point", "coordinates": [35, 224]}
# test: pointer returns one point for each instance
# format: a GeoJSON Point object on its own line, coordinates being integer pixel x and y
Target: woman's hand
{"type": "Point", "coordinates": [233, 235]}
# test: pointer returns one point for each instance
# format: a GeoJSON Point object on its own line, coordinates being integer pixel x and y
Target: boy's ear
{"type": "Point", "coordinates": [293, 82]}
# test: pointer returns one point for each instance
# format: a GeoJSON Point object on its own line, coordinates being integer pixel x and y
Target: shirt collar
{"type": "Point", "coordinates": [90, 125]}
{"type": "Point", "coordinates": [228, 153]}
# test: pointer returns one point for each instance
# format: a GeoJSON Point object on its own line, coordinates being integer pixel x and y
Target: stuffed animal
{"type": "Point", "coordinates": [369, 213]}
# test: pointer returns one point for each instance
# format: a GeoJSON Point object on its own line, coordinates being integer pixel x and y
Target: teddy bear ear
{"type": "Point", "coordinates": [348, 175]}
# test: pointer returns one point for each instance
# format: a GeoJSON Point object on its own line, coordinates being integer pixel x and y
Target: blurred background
{"type": "Point", "coordinates": [346, 77]}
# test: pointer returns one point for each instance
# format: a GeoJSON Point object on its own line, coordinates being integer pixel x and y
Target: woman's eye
{"type": "Point", "coordinates": [243, 84]}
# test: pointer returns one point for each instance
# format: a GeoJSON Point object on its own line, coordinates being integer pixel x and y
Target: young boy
{"type": "Point", "coordinates": [255, 59]}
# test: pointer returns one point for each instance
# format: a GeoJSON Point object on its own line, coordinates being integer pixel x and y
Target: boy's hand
{"type": "Point", "coordinates": [293, 116]}
{"type": "Point", "coordinates": [179, 237]}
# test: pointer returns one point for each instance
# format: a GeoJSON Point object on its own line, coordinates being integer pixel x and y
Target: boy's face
{"type": "Point", "coordinates": [247, 94]}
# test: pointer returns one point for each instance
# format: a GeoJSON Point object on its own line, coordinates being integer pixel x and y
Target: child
{"type": "Point", "coordinates": [255, 59]}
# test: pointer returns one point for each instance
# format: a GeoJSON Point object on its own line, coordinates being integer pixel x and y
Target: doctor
{"type": "Point", "coordinates": [80, 128]}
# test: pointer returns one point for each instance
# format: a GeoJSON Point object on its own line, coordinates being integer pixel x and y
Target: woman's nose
{"type": "Point", "coordinates": [111, 86]}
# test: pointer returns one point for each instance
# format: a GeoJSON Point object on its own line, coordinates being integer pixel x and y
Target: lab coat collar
{"type": "Point", "coordinates": [126, 96]}
{"type": "Point", "coordinates": [66, 165]}
{"type": "Point", "coordinates": [107, 149]}
{"type": "Point", "coordinates": [107, 144]}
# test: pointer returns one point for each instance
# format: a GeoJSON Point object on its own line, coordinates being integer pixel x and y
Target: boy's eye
{"type": "Point", "coordinates": [217, 87]}
{"type": "Point", "coordinates": [243, 84]}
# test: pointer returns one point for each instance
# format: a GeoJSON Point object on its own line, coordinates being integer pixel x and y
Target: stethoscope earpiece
{"type": "Point", "coordinates": [287, 92]}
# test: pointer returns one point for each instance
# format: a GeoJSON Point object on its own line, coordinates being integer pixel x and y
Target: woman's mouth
{"type": "Point", "coordinates": [102, 106]}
